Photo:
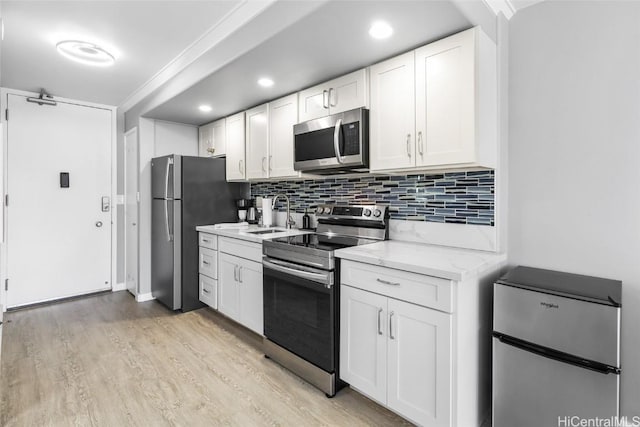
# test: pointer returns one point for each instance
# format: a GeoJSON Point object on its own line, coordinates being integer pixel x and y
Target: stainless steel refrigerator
{"type": "Point", "coordinates": [187, 192]}
{"type": "Point", "coordinates": [556, 348]}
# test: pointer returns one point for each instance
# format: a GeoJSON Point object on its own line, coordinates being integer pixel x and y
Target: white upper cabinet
{"type": "Point", "coordinates": [257, 142]}
{"type": "Point", "coordinates": [341, 94]}
{"type": "Point", "coordinates": [283, 114]}
{"type": "Point", "coordinates": [212, 139]}
{"type": "Point", "coordinates": [269, 139]}
{"type": "Point", "coordinates": [392, 115]}
{"type": "Point", "coordinates": [205, 140]}
{"type": "Point", "coordinates": [454, 106]}
{"type": "Point", "coordinates": [445, 100]}
{"type": "Point", "coordinates": [235, 147]}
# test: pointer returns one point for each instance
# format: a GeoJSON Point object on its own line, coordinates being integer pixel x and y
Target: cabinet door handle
{"type": "Point", "coordinates": [379, 321]}
{"type": "Point", "coordinates": [409, 144]}
{"type": "Point", "coordinates": [386, 282]}
{"type": "Point", "coordinates": [206, 262]}
{"type": "Point", "coordinates": [325, 100]}
{"type": "Point", "coordinates": [270, 161]}
{"type": "Point", "coordinates": [205, 291]}
{"type": "Point", "coordinates": [240, 274]}
{"type": "Point", "coordinates": [331, 104]}
{"type": "Point", "coordinates": [391, 326]}
{"type": "Point", "coordinates": [235, 273]}
{"type": "Point", "coordinates": [206, 241]}
{"type": "Point", "coordinates": [420, 150]}
{"type": "Point", "coordinates": [264, 159]}
{"type": "Point", "coordinates": [240, 166]}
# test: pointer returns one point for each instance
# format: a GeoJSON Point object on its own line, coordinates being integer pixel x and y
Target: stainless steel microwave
{"type": "Point", "coordinates": [333, 144]}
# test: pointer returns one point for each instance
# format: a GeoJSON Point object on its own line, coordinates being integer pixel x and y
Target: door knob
{"type": "Point", "coordinates": [99, 224]}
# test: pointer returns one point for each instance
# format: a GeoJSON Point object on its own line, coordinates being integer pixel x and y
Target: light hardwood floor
{"type": "Point", "coordinates": [109, 361]}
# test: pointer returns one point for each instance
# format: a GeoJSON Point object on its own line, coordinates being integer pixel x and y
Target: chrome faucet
{"type": "Point", "coordinates": [290, 220]}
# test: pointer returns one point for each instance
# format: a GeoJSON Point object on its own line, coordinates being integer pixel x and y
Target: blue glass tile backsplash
{"type": "Point", "coordinates": [453, 197]}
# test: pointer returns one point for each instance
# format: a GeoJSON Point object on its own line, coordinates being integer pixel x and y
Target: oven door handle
{"type": "Point", "coordinates": [325, 278]}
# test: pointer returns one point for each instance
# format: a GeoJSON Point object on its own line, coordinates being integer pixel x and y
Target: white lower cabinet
{"type": "Point", "coordinates": [398, 354]}
{"type": "Point", "coordinates": [208, 269]}
{"type": "Point", "coordinates": [419, 363]}
{"type": "Point", "coordinates": [240, 291]}
{"type": "Point", "coordinates": [208, 291]}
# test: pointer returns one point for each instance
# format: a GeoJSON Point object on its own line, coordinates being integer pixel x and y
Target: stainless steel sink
{"type": "Point", "coordinates": [267, 231]}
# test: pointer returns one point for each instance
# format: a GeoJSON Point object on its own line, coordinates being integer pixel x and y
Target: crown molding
{"type": "Point", "coordinates": [501, 6]}
{"type": "Point", "coordinates": [245, 11]}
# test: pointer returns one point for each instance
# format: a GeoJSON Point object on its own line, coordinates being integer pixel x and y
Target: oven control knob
{"type": "Point", "coordinates": [319, 209]}
{"type": "Point", "coordinates": [377, 213]}
{"type": "Point", "coordinates": [327, 210]}
{"type": "Point", "coordinates": [367, 212]}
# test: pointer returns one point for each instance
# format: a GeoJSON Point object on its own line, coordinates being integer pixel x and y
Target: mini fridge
{"type": "Point", "coordinates": [556, 348]}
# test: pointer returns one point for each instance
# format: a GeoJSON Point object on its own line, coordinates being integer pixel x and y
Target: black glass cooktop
{"type": "Point", "coordinates": [323, 242]}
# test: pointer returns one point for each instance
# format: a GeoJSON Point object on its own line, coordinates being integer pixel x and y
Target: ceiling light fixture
{"type": "Point", "coordinates": [265, 82]}
{"type": "Point", "coordinates": [85, 53]}
{"type": "Point", "coordinates": [205, 108]}
{"type": "Point", "coordinates": [380, 30]}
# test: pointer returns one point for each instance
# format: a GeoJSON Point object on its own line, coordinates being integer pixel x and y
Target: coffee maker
{"type": "Point", "coordinates": [247, 211]}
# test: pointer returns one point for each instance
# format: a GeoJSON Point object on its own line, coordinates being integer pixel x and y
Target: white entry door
{"type": "Point", "coordinates": [58, 237]}
{"type": "Point", "coordinates": [131, 210]}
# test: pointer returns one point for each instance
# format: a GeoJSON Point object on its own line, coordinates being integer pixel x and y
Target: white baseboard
{"type": "Point", "coordinates": [119, 287]}
{"type": "Point", "coordinates": [144, 297]}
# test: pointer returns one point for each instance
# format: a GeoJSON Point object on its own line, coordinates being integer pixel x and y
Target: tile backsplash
{"type": "Point", "coordinates": [453, 197]}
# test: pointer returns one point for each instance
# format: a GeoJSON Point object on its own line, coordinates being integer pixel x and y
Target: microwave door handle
{"type": "Point", "coordinates": [336, 140]}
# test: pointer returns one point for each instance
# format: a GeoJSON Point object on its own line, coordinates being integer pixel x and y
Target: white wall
{"type": "Point", "coordinates": [574, 151]}
{"type": "Point", "coordinates": [175, 138]}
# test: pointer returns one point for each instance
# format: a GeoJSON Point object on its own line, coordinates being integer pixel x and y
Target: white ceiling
{"type": "Point", "coordinates": [329, 42]}
{"type": "Point", "coordinates": [148, 35]}
{"type": "Point", "coordinates": [145, 36]}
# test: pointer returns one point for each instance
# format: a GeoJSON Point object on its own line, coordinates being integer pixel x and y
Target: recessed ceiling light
{"type": "Point", "coordinates": [265, 82]}
{"type": "Point", "coordinates": [205, 108]}
{"type": "Point", "coordinates": [85, 53]}
{"type": "Point", "coordinates": [380, 30]}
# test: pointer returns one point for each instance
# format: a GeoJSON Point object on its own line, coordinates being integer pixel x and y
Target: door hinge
{"type": "Point", "coordinates": [6, 114]}
{"type": "Point", "coordinates": [6, 284]}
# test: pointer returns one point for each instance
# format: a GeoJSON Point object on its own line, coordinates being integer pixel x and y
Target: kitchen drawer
{"type": "Point", "coordinates": [207, 240]}
{"type": "Point", "coordinates": [209, 291]}
{"type": "Point", "coordinates": [241, 248]}
{"type": "Point", "coordinates": [208, 263]}
{"type": "Point", "coordinates": [419, 289]}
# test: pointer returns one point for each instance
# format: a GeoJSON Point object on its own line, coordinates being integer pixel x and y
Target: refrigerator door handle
{"type": "Point", "coordinates": [166, 179]}
{"type": "Point", "coordinates": [556, 355]}
{"type": "Point", "coordinates": [166, 218]}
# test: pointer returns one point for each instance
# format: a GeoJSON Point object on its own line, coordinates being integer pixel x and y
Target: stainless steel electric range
{"type": "Point", "coordinates": [301, 291]}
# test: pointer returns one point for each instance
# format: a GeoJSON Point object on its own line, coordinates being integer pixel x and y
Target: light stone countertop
{"type": "Point", "coordinates": [439, 261]}
{"type": "Point", "coordinates": [245, 233]}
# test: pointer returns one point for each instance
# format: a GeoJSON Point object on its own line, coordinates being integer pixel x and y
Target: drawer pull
{"type": "Point", "coordinates": [205, 291]}
{"type": "Point", "coordinates": [386, 282]}
{"type": "Point", "coordinates": [206, 262]}
{"type": "Point", "coordinates": [379, 322]}
{"type": "Point", "coordinates": [206, 241]}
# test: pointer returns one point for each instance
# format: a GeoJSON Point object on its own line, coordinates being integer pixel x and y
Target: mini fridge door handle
{"type": "Point", "coordinates": [557, 355]}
